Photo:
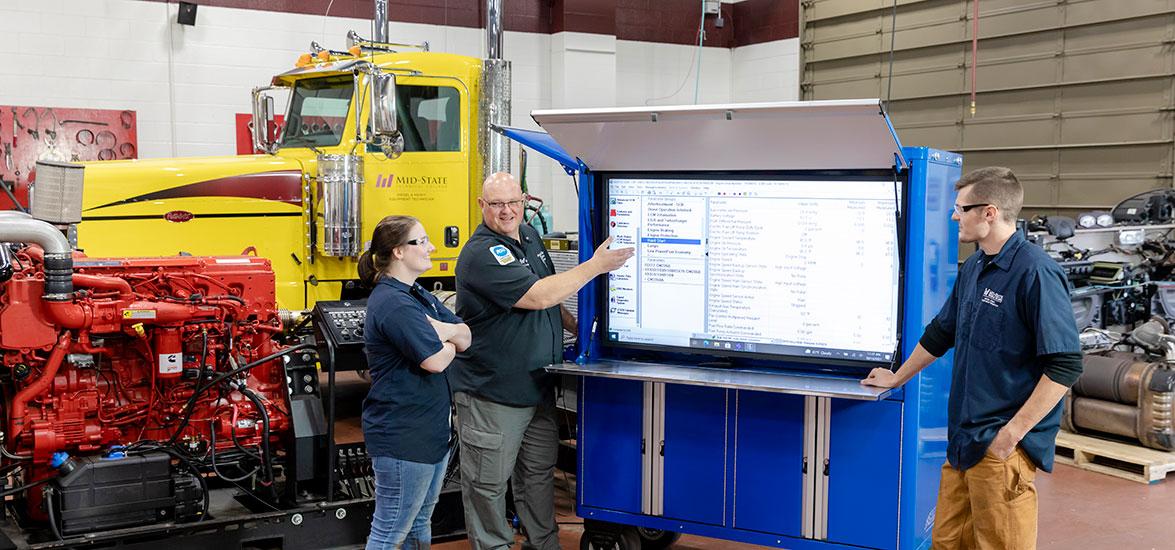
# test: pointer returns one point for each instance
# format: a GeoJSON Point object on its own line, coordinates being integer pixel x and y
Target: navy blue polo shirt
{"type": "Point", "coordinates": [1004, 313]}
{"type": "Point", "coordinates": [406, 412]}
{"type": "Point", "coordinates": [511, 346]}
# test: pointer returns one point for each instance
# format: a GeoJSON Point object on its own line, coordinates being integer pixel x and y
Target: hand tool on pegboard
{"type": "Point", "coordinates": [93, 122]}
{"type": "Point", "coordinates": [32, 128]}
{"type": "Point", "coordinates": [36, 132]}
{"type": "Point", "coordinates": [7, 149]}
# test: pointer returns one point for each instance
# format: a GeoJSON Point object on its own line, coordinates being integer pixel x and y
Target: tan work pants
{"type": "Point", "coordinates": [990, 505]}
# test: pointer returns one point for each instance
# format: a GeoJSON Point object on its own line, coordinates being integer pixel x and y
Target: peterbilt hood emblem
{"type": "Point", "coordinates": [178, 216]}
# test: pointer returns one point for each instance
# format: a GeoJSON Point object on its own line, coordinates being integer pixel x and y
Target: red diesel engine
{"type": "Point", "coordinates": [172, 361]}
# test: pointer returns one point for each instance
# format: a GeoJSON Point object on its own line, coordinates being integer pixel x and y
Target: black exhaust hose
{"type": "Point", "coordinates": [58, 277]}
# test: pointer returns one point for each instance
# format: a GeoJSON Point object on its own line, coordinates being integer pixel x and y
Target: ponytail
{"type": "Point", "coordinates": [389, 233]}
{"type": "Point", "coordinates": [368, 274]}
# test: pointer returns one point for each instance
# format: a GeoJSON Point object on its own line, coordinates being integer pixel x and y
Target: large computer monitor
{"type": "Point", "coordinates": [794, 267]}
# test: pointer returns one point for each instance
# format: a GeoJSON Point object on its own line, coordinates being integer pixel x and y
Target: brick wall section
{"type": "Point", "coordinates": [588, 16]}
{"type": "Point", "coordinates": [520, 15]}
{"type": "Point", "coordinates": [759, 21]}
{"type": "Point", "coordinates": [662, 21]}
{"type": "Point", "coordinates": [672, 22]}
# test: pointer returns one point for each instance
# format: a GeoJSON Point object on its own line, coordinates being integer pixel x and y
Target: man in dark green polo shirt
{"type": "Point", "coordinates": [1016, 354]}
{"type": "Point", "coordinates": [509, 295]}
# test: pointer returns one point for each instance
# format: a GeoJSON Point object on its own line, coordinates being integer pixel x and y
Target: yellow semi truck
{"type": "Point", "coordinates": [368, 132]}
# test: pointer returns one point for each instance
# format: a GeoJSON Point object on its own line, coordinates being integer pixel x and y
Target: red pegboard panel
{"type": "Point", "coordinates": [244, 124]}
{"type": "Point", "coordinates": [28, 134]}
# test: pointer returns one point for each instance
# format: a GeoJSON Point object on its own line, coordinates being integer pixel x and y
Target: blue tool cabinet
{"type": "Point", "coordinates": [790, 457]}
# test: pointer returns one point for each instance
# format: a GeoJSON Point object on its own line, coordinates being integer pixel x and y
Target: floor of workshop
{"type": "Point", "coordinates": [1078, 509]}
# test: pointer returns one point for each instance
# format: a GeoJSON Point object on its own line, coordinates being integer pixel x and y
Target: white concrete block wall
{"type": "Point", "coordinates": [667, 74]}
{"type": "Point", "coordinates": [766, 72]}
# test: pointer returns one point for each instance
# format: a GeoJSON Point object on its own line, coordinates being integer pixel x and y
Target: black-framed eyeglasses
{"type": "Point", "coordinates": [498, 205]}
{"type": "Point", "coordinates": [422, 241]}
{"type": "Point", "coordinates": [960, 210]}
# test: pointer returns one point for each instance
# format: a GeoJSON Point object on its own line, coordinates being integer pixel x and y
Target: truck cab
{"type": "Point", "coordinates": [285, 205]}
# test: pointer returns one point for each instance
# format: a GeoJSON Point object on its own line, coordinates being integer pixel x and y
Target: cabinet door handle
{"type": "Point", "coordinates": [662, 448]}
{"type": "Point", "coordinates": [805, 466]}
{"type": "Point", "coordinates": [826, 466]}
{"type": "Point", "coordinates": [642, 445]}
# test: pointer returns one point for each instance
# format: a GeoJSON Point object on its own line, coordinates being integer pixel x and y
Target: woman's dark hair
{"type": "Point", "coordinates": [389, 233]}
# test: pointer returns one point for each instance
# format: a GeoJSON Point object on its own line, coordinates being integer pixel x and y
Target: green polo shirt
{"type": "Point", "coordinates": [511, 346]}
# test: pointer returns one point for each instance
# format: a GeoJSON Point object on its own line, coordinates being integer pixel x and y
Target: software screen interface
{"type": "Point", "coordinates": [779, 267]}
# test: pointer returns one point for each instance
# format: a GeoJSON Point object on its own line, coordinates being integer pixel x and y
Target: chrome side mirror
{"type": "Point", "coordinates": [263, 120]}
{"type": "Point", "coordinates": [385, 132]}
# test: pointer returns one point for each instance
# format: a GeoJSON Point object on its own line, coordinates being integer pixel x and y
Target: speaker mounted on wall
{"type": "Point", "coordinates": [187, 14]}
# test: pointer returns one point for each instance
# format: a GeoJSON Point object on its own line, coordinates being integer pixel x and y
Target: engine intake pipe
{"type": "Point", "coordinates": [19, 227]}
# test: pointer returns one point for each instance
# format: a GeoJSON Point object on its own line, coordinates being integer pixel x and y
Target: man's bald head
{"type": "Point", "coordinates": [501, 204]}
{"type": "Point", "coordinates": [499, 183]}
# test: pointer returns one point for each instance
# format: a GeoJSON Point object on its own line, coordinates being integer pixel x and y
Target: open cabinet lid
{"type": "Point", "coordinates": [794, 135]}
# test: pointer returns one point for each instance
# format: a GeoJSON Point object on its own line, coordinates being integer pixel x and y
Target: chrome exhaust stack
{"type": "Point", "coordinates": [494, 103]}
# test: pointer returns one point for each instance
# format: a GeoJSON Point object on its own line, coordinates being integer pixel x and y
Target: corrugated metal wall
{"type": "Point", "coordinates": [1075, 96]}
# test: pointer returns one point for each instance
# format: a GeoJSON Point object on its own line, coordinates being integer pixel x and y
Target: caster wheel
{"type": "Point", "coordinates": [656, 539]}
{"type": "Point", "coordinates": [626, 539]}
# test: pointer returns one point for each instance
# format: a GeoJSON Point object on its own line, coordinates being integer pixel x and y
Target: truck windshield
{"type": "Point", "coordinates": [318, 112]}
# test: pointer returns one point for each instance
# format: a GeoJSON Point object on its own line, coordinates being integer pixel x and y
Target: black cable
{"type": "Point", "coordinates": [893, 32]}
{"type": "Point", "coordinates": [9, 469]}
{"type": "Point", "coordinates": [52, 513]}
{"type": "Point", "coordinates": [900, 252]}
{"type": "Point", "coordinates": [217, 471]}
{"type": "Point", "coordinates": [250, 493]}
{"type": "Point", "coordinates": [237, 444]}
{"type": "Point", "coordinates": [190, 407]}
{"type": "Point", "coordinates": [27, 486]}
{"type": "Point", "coordinates": [11, 197]}
{"type": "Point", "coordinates": [261, 361]}
{"type": "Point", "coordinates": [16, 259]}
{"type": "Point", "coordinates": [266, 457]}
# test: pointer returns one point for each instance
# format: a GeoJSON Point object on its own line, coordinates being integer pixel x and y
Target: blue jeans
{"type": "Point", "coordinates": [405, 494]}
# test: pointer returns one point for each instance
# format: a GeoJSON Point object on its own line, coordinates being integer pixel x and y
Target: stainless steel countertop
{"type": "Point", "coordinates": [777, 382]}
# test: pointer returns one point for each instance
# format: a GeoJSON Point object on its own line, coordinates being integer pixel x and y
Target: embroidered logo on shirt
{"type": "Point", "coordinates": [502, 254]}
{"type": "Point", "coordinates": [991, 298]}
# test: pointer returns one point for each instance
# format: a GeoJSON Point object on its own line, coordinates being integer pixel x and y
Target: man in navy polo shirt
{"type": "Point", "coordinates": [1016, 354]}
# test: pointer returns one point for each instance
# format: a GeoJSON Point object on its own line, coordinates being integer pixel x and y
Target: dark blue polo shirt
{"type": "Point", "coordinates": [406, 412]}
{"type": "Point", "coordinates": [1004, 313]}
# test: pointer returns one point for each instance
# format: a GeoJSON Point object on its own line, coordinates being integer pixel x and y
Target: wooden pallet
{"type": "Point", "coordinates": [1122, 460]}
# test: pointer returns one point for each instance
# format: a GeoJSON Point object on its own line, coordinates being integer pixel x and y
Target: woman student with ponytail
{"type": "Point", "coordinates": [411, 338]}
